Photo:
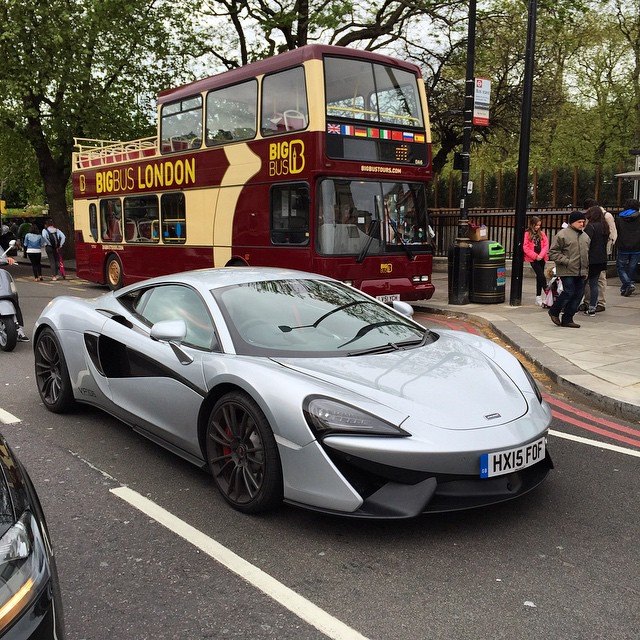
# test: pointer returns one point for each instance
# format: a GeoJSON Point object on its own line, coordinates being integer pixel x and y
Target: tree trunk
{"type": "Point", "coordinates": [55, 172]}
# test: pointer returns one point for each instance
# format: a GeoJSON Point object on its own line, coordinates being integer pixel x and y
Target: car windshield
{"type": "Point", "coordinates": [311, 318]}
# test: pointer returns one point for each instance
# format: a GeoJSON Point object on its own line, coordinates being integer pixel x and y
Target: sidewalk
{"type": "Point", "coordinates": [600, 360]}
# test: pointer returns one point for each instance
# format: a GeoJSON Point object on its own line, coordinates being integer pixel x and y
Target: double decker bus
{"type": "Point", "coordinates": [316, 159]}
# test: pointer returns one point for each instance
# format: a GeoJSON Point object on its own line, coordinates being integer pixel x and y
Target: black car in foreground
{"type": "Point", "coordinates": [30, 604]}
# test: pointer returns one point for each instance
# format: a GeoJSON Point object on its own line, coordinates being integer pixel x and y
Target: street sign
{"type": "Point", "coordinates": [481, 102]}
{"type": "Point", "coordinates": [3, 206]}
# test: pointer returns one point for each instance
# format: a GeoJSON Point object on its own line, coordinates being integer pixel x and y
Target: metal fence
{"type": "Point", "coordinates": [500, 225]}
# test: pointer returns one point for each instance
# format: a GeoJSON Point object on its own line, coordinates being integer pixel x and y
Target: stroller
{"type": "Point", "coordinates": [553, 288]}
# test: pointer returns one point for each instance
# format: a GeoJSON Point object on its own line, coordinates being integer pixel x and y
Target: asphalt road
{"type": "Point", "coordinates": [562, 562]}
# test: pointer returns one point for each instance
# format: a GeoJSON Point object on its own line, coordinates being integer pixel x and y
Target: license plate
{"type": "Point", "coordinates": [389, 297]}
{"type": "Point", "coordinates": [501, 462]}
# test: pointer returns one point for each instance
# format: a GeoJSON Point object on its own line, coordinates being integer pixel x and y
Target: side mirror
{"type": "Point", "coordinates": [169, 331]}
{"type": "Point", "coordinates": [403, 308]}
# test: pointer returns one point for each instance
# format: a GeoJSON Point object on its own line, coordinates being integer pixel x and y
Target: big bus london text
{"type": "Point", "coordinates": [315, 159]}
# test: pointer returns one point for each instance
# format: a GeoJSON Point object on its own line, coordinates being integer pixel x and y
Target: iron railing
{"type": "Point", "coordinates": [500, 225]}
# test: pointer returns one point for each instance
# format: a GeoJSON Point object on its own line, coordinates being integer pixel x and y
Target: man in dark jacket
{"type": "Point", "coordinates": [570, 251]}
{"type": "Point", "coordinates": [628, 224]}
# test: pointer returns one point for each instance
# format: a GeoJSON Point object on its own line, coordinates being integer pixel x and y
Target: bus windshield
{"type": "Point", "coordinates": [375, 217]}
{"type": "Point", "coordinates": [361, 90]}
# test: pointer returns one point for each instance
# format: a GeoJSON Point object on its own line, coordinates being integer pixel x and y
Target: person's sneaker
{"type": "Point", "coordinates": [591, 311]}
{"type": "Point", "coordinates": [599, 308]}
{"type": "Point", "coordinates": [571, 325]}
{"type": "Point", "coordinates": [22, 337]}
{"type": "Point", "coordinates": [630, 289]}
{"type": "Point", "coordinates": [539, 300]}
{"type": "Point", "coordinates": [582, 307]}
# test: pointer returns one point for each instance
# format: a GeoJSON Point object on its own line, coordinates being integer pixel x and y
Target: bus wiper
{"type": "Point", "coordinates": [400, 239]}
{"type": "Point", "coordinates": [372, 232]}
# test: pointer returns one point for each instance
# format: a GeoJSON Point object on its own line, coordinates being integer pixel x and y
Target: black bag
{"type": "Point", "coordinates": [54, 240]}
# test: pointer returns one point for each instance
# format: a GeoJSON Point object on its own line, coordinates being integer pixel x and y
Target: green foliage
{"type": "Point", "coordinates": [88, 68]}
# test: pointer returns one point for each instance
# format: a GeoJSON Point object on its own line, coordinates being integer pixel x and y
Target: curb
{"type": "Point", "coordinates": [546, 360]}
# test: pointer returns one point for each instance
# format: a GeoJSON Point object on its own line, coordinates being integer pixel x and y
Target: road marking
{"type": "Point", "coordinates": [8, 418]}
{"type": "Point", "coordinates": [283, 595]}
{"type": "Point", "coordinates": [583, 414]}
{"type": "Point", "coordinates": [588, 427]}
{"type": "Point", "coordinates": [595, 443]}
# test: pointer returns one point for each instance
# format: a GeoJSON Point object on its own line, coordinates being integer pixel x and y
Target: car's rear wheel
{"type": "Point", "coordinates": [8, 333]}
{"type": "Point", "coordinates": [52, 375]}
{"type": "Point", "coordinates": [113, 272]}
{"type": "Point", "coordinates": [242, 454]}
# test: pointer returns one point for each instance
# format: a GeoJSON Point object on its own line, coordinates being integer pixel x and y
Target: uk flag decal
{"type": "Point", "coordinates": [333, 128]}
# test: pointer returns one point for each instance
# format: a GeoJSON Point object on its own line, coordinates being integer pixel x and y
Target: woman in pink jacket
{"type": "Point", "coordinates": [536, 248]}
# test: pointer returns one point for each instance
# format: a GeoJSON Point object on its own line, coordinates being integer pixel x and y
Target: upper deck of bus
{"type": "Point", "coordinates": [280, 62]}
{"type": "Point", "coordinates": [94, 154]}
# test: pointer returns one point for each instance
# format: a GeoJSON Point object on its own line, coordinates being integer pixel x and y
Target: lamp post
{"type": "Point", "coordinates": [522, 188]}
{"type": "Point", "coordinates": [459, 258]}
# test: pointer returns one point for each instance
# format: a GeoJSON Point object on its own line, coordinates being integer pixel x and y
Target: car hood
{"type": "Point", "coordinates": [448, 383]}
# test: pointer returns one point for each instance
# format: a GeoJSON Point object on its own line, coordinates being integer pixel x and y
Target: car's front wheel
{"type": "Point", "coordinates": [52, 375]}
{"type": "Point", "coordinates": [242, 454]}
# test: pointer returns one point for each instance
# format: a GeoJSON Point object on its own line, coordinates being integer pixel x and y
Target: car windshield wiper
{"type": "Point", "coordinates": [286, 328]}
{"type": "Point", "coordinates": [381, 348]}
{"type": "Point", "coordinates": [393, 346]}
{"type": "Point", "coordinates": [375, 325]}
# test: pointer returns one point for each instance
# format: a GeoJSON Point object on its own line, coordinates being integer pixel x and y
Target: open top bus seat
{"type": "Point", "coordinates": [294, 120]}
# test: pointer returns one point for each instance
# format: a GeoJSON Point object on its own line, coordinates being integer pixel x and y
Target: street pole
{"type": "Point", "coordinates": [459, 258]}
{"type": "Point", "coordinates": [522, 188]}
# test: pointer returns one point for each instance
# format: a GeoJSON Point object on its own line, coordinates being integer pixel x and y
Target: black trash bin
{"type": "Point", "coordinates": [488, 272]}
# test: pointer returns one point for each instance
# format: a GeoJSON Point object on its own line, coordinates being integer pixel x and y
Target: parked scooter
{"type": "Point", "coordinates": [9, 309]}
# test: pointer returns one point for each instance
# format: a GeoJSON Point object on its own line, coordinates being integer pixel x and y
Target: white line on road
{"type": "Point", "coordinates": [595, 443]}
{"type": "Point", "coordinates": [8, 418]}
{"type": "Point", "coordinates": [303, 608]}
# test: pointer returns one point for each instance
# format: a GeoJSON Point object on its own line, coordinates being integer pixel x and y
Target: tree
{"type": "Point", "coordinates": [85, 68]}
{"type": "Point", "coordinates": [256, 29]}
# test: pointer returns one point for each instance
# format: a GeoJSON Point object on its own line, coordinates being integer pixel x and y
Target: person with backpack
{"type": "Point", "coordinates": [54, 239]}
{"type": "Point", "coordinates": [628, 223]}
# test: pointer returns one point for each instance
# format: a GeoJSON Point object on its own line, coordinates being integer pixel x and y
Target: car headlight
{"type": "Point", "coordinates": [326, 417]}
{"type": "Point", "coordinates": [24, 568]}
{"type": "Point", "coordinates": [533, 383]}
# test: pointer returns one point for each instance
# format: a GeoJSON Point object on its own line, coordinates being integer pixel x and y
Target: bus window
{"type": "Point", "coordinates": [181, 125]}
{"type": "Point", "coordinates": [396, 97]}
{"type": "Point", "coordinates": [93, 221]}
{"type": "Point", "coordinates": [284, 102]}
{"type": "Point", "coordinates": [174, 224]}
{"type": "Point", "coordinates": [110, 219]}
{"type": "Point", "coordinates": [141, 219]}
{"type": "Point", "coordinates": [290, 214]}
{"type": "Point", "coordinates": [360, 90]}
{"type": "Point", "coordinates": [231, 113]}
{"type": "Point", "coordinates": [373, 217]}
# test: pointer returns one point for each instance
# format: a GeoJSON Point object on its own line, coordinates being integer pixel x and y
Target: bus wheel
{"type": "Point", "coordinates": [113, 272]}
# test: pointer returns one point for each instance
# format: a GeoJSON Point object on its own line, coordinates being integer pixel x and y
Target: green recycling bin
{"type": "Point", "coordinates": [488, 272]}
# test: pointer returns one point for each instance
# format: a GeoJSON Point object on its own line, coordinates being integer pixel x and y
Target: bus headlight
{"type": "Point", "coordinates": [24, 568]}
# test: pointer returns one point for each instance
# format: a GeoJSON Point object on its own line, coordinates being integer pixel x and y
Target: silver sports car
{"type": "Point", "coordinates": [292, 386]}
